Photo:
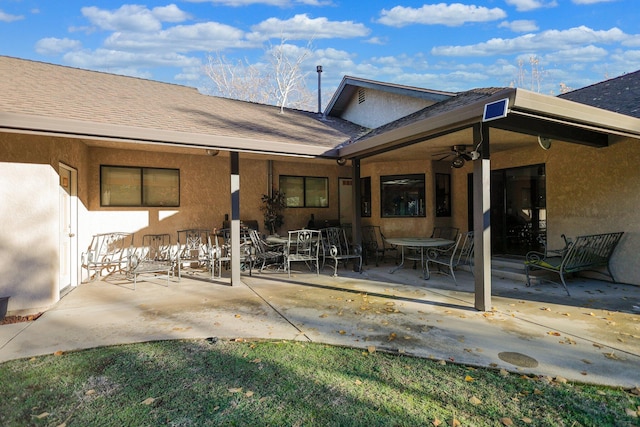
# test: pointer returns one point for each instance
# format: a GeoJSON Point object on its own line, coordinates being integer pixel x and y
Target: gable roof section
{"type": "Point", "coordinates": [349, 85]}
{"type": "Point", "coordinates": [51, 99]}
{"type": "Point", "coordinates": [620, 94]}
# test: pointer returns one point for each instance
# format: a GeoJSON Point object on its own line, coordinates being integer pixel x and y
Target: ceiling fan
{"type": "Point", "coordinates": [460, 154]}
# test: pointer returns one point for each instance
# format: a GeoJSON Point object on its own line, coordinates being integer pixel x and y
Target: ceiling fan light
{"type": "Point", "coordinates": [458, 162]}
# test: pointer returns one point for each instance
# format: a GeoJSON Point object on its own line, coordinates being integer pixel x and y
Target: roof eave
{"type": "Point", "coordinates": [30, 124]}
{"type": "Point", "coordinates": [581, 123]}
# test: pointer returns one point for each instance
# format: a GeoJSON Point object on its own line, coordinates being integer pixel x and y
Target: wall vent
{"type": "Point", "coordinates": [361, 95]}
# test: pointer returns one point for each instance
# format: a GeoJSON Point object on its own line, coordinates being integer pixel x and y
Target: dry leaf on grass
{"type": "Point", "coordinates": [475, 401]}
{"type": "Point", "coordinates": [58, 353]}
{"type": "Point", "coordinates": [455, 423]}
{"type": "Point", "coordinates": [469, 378]}
{"type": "Point", "coordinates": [506, 421]}
{"type": "Point", "coordinates": [371, 349]}
{"type": "Point", "coordinates": [42, 415]}
{"type": "Point", "coordinates": [249, 394]}
{"type": "Point", "coordinates": [436, 422]}
{"type": "Point", "coordinates": [235, 390]}
{"type": "Point", "coordinates": [148, 401]}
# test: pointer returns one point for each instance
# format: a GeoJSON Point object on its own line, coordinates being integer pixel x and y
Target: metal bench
{"type": "Point", "coordinates": [585, 253]}
{"type": "Point", "coordinates": [157, 255]}
{"type": "Point", "coordinates": [107, 253]}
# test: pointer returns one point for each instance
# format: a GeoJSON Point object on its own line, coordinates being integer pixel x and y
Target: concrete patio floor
{"type": "Point", "coordinates": [592, 336]}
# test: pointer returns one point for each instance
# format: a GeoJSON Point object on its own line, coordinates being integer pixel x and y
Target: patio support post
{"type": "Point", "coordinates": [235, 218]}
{"type": "Point", "coordinates": [482, 219]}
{"type": "Point", "coordinates": [356, 228]}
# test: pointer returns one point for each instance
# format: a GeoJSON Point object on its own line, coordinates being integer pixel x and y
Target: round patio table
{"type": "Point", "coordinates": [421, 243]}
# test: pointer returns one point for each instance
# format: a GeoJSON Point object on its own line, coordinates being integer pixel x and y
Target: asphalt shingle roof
{"type": "Point", "coordinates": [54, 91]}
{"type": "Point", "coordinates": [620, 94]}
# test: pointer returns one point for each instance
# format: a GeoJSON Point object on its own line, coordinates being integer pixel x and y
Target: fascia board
{"type": "Point", "coordinates": [560, 109]}
{"type": "Point", "coordinates": [22, 123]}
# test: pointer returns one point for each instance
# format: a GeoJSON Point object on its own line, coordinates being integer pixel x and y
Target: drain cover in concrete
{"type": "Point", "coordinates": [518, 359]}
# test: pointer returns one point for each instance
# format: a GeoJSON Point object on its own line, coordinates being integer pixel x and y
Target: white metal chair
{"type": "Point", "coordinates": [336, 247]}
{"type": "Point", "coordinates": [303, 246]}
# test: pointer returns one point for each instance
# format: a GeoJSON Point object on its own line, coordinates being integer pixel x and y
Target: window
{"type": "Point", "coordinates": [135, 186]}
{"type": "Point", "coordinates": [443, 194]}
{"type": "Point", "coordinates": [365, 197]}
{"type": "Point", "coordinates": [402, 195]}
{"type": "Point", "coordinates": [305, 191]}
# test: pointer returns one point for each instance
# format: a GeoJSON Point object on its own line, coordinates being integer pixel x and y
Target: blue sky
{"type": "Point", "coordinates": [450, 46]}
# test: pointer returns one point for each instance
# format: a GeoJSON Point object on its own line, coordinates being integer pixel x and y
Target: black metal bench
{"type": "Point", "coordinates": [590, 252]}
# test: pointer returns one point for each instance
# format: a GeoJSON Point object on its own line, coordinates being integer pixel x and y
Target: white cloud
{"type": "Point", "coordinates": [527, 5]}
{"type": "Point", "coordinates": [378, 40]}
{"type": "Point", "coordinates": [545, 41]}
{"type": "Point", "coordinates": [579, 54]}
{"type": "Point", "coordinates": [590, 1]}
{"type": "Point", "coordinates": [301, 27]}
{"type": "Point", "coordinates": [204, 36]}
{"type": "Point", "coordinates": [134, 18]}
{"type": "Point", "coordinates": [109, 60]}
{"type": "Point", "coordinates": [6, 17]}
{"type": "Point", "coordinates": [520, 26]}
{"type": "Point", "coordinates": [55, 46]}
{"type": "Point", "coordinates": [279, 3]}
{"type": "Point", "coordinates": [170, 13]}
{"type": "Point", "coordinates": [452, 15]}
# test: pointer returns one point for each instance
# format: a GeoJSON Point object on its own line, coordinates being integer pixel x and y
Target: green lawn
{"type": "Point", "coordinates": [201, 382]}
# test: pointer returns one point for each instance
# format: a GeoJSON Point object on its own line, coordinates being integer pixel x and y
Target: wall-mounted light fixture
{"type": "Point", "coordinates": [212, 152]}
{"type": "Point", "coordinates": [341, 161]}
{"type": "Point", "coordinates": [544, 142]}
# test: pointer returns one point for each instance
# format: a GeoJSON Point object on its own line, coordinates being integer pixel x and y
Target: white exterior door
{"type": "Point", "coordinates": [68, 227]}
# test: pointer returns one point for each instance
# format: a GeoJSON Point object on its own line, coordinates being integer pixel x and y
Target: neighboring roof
{"type": "Point", "coordinates": [45, 98]}
{"type": "Point", "coordinates": [620, 94]}
{"type": "Point", "coordinates": [350, 85]}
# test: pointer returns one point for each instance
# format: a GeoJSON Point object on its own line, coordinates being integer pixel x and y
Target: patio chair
{"type": "Point", "coordinates": [265, 253]}
{"type": "Point", "coordinates": [448, 257]}
{"type": "Point", "coordinates": [449, 233]}
{"type": "Point", "coordinates": [194, 248]}
{"type": "Point", "coordinates": [337, 248]}
{"type": "Point", "coordinates": [375, 244]}
{"type": "Point", "coordinates": [303, 246]}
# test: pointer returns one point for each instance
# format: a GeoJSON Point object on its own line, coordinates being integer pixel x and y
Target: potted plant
{"type": "Point", "coordinates": [272, 206]}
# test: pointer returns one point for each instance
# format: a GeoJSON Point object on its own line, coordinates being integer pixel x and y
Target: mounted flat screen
{"type": "Point", "coordinates": [495, 110]}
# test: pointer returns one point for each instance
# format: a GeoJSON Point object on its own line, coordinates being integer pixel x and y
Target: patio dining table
{"type": "Point", "coordinates": [421, 243]}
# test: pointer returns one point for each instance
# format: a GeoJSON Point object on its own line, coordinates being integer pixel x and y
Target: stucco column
{"type": "Point", "coordinates": [482, 219]}
{"type": "Point", "coordinates": [235, 218]}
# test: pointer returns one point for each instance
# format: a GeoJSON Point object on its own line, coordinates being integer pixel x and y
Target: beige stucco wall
{"type": "Point", "coordinates": [380, 108]}
{"type": "Point", "coordinates": [588, 191]}
{"type": "Point", "coordinates": [29, 218]}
